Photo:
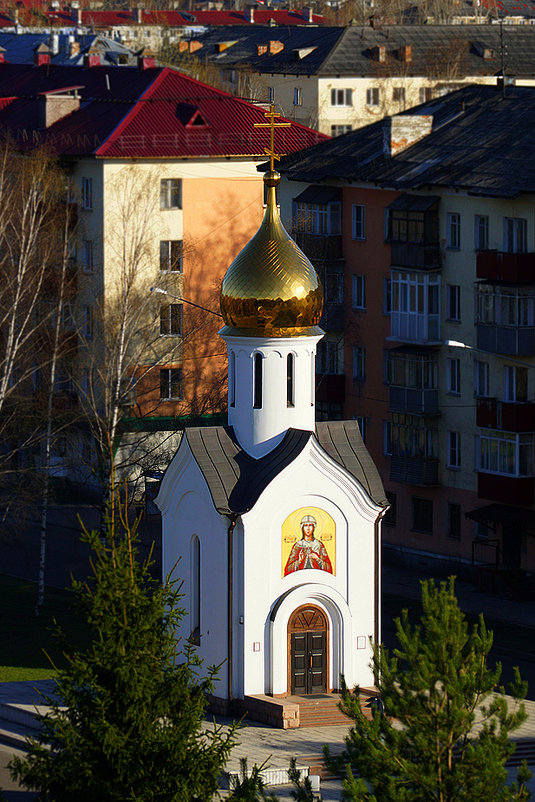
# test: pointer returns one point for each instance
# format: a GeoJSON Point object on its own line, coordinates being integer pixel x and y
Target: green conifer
{"type": "Point", "coordinates": [421, 744]}
{"type": "Point", "coordinates": [127, 723]}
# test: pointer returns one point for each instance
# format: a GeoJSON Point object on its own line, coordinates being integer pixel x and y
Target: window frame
{"type": "Point", "coordinates": [453, 376]}
{"type": "Point", "coordinates": [171, 320]}
{"type": "Point", "coordinates": [453, 450]}
{"type": "Point", "coordinates": [359, 363]}
{"type": "Point", "coordinates": [170, 194]}
{"type": "Point", "coordinates": [457, 519]}
{"type": "Point", "coordinates": [481, 232]}
{"type": "Point", "coordinates": [453, 303]}
{"type": "Point", "coordinates": [167, 260]}
{"type": "Point", "coordinates": [425, 511]}
{"type": "Point", "coordinates": [87, 193]}
{"type": "Point", "coordinates": [358, 222]}
{"type": "Point", "coordinates": [298, 96]}
{"type": "Point", "coordinates": [174, 375]}
{"type": "Point", "coordinates": [453, 231]}
{"type": "Point", "coordinates": [341, 97]}
{"type": "Point", "coordinates": [87, 256]}
{"type": "Point", "coordinates": [373, 96]}
{"type": "Point", "coordinates": [358, 292]}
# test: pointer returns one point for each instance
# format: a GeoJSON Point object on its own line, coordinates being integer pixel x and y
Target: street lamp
{"type": "Point", "coordinates": [505, 357]}
{"type": "Point", "coordinates": [184, 300]}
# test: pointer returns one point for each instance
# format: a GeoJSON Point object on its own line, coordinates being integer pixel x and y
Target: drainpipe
{"type": "Point", "coordinates": [376, 580]}
{"type": "Point", "coordinates": [230, 596]}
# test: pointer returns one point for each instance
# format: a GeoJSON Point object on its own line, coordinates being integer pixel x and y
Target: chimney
{"type": "Point", "coordinates": [379, 53]}
{"type": "Point", "coordinates": [55, 105]}
{"type": "Point", "coordinates": [275, 47]}
{"type": "Point", "coordinates": [249, 13]}
{"type": "Point", "coordinates": [2, 55]}
{"type": "Point", "coordinates": [145, 61]}
{"type": "Point", "coordinates": [404, 130]}
{"type": "Point", "coordinates": [138, 14]}
{"type": "Point", "coordinates": [91, 58]}
{"type": "Point", "coordinates": [76, 12]}
{"type": "Point", "coordinates": [405, 53]}
{"type": "Point", "coordinates": [308, 15]}
{"type": "Point", "coordinates": [41, 55]}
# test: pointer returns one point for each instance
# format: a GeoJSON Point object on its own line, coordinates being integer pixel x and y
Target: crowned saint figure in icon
{"type": "Point", "coordinates": [308, 552]}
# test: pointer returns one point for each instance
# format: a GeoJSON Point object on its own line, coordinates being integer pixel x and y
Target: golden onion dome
{"type": "Point", "coordinates": [271, 289]}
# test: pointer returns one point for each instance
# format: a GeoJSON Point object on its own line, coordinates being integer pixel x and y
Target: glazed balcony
{"type": "Point", "coordinates": [421, 471]}
{"type": "Point", "coordinates": [511, 340]}
{"type": "Point", "coordinates": [506, 489]}
{"type": "Point", "coordinates": [501, 266]}
{"type": "Point", "coordinates": [414, 401]}
{"type": "Point", "coordinates": [415, 255]}
{"type": "Point", "coordinates": [319, 247]}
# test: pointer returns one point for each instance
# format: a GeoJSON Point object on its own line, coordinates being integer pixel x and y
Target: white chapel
{"type": "Point", "coordinates": [276, 518]}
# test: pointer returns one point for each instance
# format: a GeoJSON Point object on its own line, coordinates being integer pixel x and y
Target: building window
{"type": "Point", "coordinates": [481, 378]}
{"type": "Point", "coordinates": [87, 255]}
{"type": "Point", "coordinates": [339, 130]}
{"type": "Point", "coordinates": [453, 449]}
{"type": "Point", "coordinates": [505, 453]}
{"type": "Point", "coordinates": [87, 312]}
{"type": "Point", "coordinates": [391, 514]}
{"type": "Point", "coordinates": [171, 255]}
{"type": "Point", "coordinates": [171, 384]}
{"type": "Point", "coordinates": [290, 380]}
{"type": "Point", "coordinates": [171, 320]}
{"type": "Point", "coordinates": [328, 410]}
{"type": "Point", "coordinates": [298, 96]}
{"type": "Point", "coordinates": [515, 234]}
{"type": "Point", "coordinates": [453, 230]}
{"type": "Point", "coordinates": [271, 94]}
{"type": "Point", "coordinates": [453, 521]}
{"type": "Point", "coordinates": [387, 296]}
{"type": "Point", "coordinates": [361, 423]}
{"type": "Point", "coordinates": [387, 438]}
{"type": "Point", "coordinates": [515, 383]}
{"type": "Point", "coordinates": [415, 306]}
{"type": "Point", "coordinates": [195, 601]}
{"type": "Point", "coordinates": [481, 232]}
{"type": "Point", "coordinates": [257, 381]}
{"type": "Point", "coordinates": [171, 193]}
{"type": "Point", "coordinates": [359, 363]}
{"type": "Point", "coordinates": [426, 94]}
{"type": "Point", "coordinates": [412, 436]}
{"type": "Point", "coordinates": [453, 302]}
{"type": "Point", "coordinates": [359, 292]}
{"type": "Point", "coordinates": [398, 94]}
{"type": "Point", "coordinates": [87, 193]}
{"type": "Point", "coordinates": [422, 515]}
{"type": "Point", "coordinates": [453, 376]}
{"type": "Point", "coordinates": [318, 218]}
{"type": "Point", "coordinates": [358, 219]}
{"type": "Point", "coordinates": [341, 97]}
{"type": "Point", "coordinates": [327, 358]}
{"type": "Point", "coordinates": [505, 306]}
{"type": "Point", "coordinates": [334, 288]}
{"type": "Point", "coordinates": [372, 96]}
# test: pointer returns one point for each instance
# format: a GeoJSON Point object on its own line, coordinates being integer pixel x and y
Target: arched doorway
{"type": "Point", "coordinates": [307, 651]}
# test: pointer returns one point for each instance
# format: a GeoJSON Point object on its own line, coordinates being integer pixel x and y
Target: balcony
{"type": "Point", "coordinates": [319, 247]}
{"type": "Point", "coordinates": [506, 489]}
{"type": "Point", "coordinates": [506, 415]}
{"type": "Point", "coordinates": [332, 318]}
{"type": "Point", "coordinates": [415, 255]}
{"type": "Point", "coordinates": [420, 471]}
{"type": "Point", "coordinates": [418, 328]}
{"type": "Point", "coordinates": [412, 400]}
{"type": "Point", "coordinates": [512, 340]}
{"type": "Point", "coordinates": [500, 266]}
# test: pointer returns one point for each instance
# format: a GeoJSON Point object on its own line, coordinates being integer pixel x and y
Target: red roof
{"type": "Point", "coordinates": [152, 113]}
{"type": "Point", "coordinates": [28, 9]}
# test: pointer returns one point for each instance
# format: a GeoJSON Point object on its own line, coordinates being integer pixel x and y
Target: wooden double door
{"type": "Point", "coordinates": [307, 631]}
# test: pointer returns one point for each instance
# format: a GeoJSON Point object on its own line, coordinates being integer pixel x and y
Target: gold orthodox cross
{"type": "Point", "coordinates": [272, 115]}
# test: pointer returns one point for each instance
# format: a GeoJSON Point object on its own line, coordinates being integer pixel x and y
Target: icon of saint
{"type": "Point", "coordinates": [308, 552]}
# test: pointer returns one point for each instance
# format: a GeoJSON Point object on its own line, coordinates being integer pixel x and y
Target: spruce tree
{"type": "Point", "coordinates": [127, 723]}
{"type": "Point", "coordinates": [420, 744]}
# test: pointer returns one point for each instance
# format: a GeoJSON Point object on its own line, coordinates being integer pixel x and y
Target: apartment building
{"type": "Point", "coordinates": [163, 175]}
{"type": "Point", "coordinates": [339, 79]}
{"type": "Point", "coordinates": [433, 351]}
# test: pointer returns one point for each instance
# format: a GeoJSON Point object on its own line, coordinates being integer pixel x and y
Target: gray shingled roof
{"type": "Point", "coordinates": [480, 142]}
{"type": "Point", "coordinates": [236, 480]}
{"type": "Point", "coordinates": [451, 51]}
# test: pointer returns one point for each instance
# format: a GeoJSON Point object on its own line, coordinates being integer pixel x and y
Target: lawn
{"type": "Point", "coordinates": [24, 638]}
